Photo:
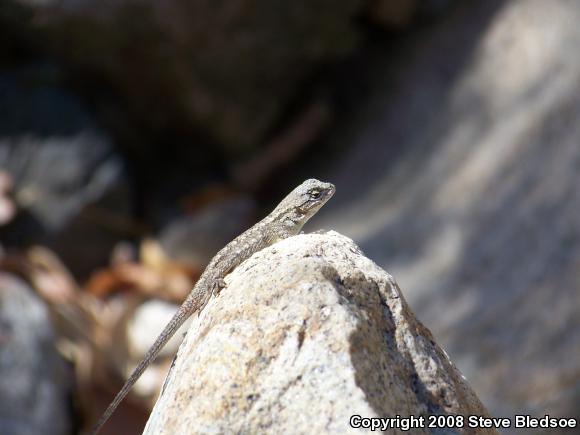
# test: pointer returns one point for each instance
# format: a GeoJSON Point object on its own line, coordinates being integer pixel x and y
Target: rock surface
{"type": "Point", "coordinates": [307, 333]}
{"type": "Point", "coordinates": [228, 68]}
{"type": "Point", "coordinates": [463, 179]}
{"type": "Point", "coordinates": [63, 166]}
{"type": "Point", "coordinates": [51, 146]}
{"type": "Point", "coordinates": [35, 382]}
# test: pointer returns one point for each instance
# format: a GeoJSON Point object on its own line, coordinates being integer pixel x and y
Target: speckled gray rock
{"type": "Point", "coordinates": [35, 382]}
{"type": "Point", "coordinates": [307, 333]}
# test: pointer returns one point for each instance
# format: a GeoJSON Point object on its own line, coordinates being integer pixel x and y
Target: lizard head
{"type": "Point", "coordinates": [303, 203]}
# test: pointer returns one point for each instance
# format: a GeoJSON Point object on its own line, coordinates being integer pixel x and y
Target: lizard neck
{"type": "Point", "coordinates": [286, 222]}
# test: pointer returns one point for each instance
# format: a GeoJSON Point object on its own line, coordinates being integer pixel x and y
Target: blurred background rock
{"type": "Point", "coordinates": [137, 137]}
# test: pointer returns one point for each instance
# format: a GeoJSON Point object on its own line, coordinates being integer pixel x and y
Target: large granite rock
{"type": "Point", "coordinates": [307, 333]}
{"type": "Point", "coordinates": [463, 180]}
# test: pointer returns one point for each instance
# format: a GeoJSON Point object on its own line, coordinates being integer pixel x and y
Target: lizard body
{"type": "Point", "coordinates": [286, 220]}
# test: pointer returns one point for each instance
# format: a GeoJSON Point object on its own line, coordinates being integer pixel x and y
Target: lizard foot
{"type": "Point", "coordinates": [219, 284]}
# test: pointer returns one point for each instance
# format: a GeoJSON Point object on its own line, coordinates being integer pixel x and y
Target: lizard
{"type": "Point", "coordinates": [286, 220]}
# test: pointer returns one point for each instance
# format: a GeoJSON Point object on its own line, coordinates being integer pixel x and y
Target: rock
{"type": "Point", "coordinates": [7, 208]}
{"type": "Point", "coordinates": [65, 172]}
{"type": "Point", "coordinates": [51, 146]}
{"type": "Point", "coordinates": [142, 329]}
{"type": "Point", "coordinates": [227, 68]}
{"type": "Point", "coordinates": [307, 333]}
{"type": "Point", "coordinates": [462, 178]}
{"type": "Point", "coordinates": [146, 323]}
{"type": "Point", "coordinates": [35, 382]}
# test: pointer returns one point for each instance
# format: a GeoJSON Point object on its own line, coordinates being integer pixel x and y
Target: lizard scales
{"type": "Point", "coordinates": [286, 220]}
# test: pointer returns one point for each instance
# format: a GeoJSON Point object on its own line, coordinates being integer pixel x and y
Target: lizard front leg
{"type": "Point", "coordinates": [218, 285]}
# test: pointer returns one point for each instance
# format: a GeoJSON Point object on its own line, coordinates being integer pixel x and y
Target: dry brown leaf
{"type": "Point", "coordinates": [50, 278]}
{"type": "Point", "coordinates": [156, 275]}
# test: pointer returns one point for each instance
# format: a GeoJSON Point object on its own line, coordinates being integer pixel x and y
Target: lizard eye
{"type": "Point", "coordinates": [315, 194]}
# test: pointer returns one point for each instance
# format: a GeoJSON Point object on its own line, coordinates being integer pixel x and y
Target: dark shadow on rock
{"type": "Point", "coordinates": [380, 370]}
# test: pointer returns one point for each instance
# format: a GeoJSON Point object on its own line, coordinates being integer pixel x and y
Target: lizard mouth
{"type": "Point", "coordinates": [330, 190]}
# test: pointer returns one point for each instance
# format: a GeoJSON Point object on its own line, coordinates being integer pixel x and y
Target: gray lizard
{"type": "Point", "coordinates": [286, 220]}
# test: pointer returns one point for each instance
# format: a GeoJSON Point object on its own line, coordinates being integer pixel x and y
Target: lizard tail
{"type": "Point", "coordinates": [182, 314]}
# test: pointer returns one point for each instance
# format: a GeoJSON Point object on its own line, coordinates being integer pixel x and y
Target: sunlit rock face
{"type": "Point", "coordinates": [307, 333]}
